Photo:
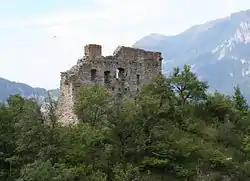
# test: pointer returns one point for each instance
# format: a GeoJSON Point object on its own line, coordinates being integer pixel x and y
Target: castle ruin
{"type": "Point", "coordinates": [127, 70]}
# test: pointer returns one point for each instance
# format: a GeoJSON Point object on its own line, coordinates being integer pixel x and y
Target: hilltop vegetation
{"type": "Point", "coordinates": [174, 130]}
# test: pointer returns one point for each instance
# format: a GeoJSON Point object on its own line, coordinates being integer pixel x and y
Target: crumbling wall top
{"type": "Point", "coordinates": [93, 50]}
{"type": "Point", "coordinates": [93, 46]}
{"type": "Point", "coordinates": [72, 72]}
{"type": "Point", "coordinates": [135, 53]}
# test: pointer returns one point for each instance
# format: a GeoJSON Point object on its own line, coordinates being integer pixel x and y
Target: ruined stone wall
{"type": "Point", "coordinates": [126, 71]}
{"type": "Point", "coordinates": [139, 65]}
{"type": "Point", "coordinates": [65, 106]}
{"type": "Point", "coordinates": [93, 51]}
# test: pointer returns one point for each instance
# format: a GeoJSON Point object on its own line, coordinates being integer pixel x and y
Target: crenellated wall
{"type": "Point", "coordinates": [126, 72]}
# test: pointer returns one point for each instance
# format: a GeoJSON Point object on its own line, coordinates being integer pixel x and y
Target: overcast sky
{"type": "Point", "coordinates": [30, 53]}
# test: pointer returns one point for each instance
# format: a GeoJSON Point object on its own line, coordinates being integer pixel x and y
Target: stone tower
{"type": "Point", "coordinates": [125, 71]}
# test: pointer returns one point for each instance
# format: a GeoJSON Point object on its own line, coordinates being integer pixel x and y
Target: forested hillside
{"type": "Point", "coordinates": [174, 131]}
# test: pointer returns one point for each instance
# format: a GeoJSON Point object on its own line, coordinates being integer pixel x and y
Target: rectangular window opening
{"type": "Point", "coordinates": [120, 73]}
{"type": "Point", "coordinates": [107, 77]}
{"type": "Point", "coordinates": [93, 74]}
{"type": "Point", "coordinates": [138, 79]}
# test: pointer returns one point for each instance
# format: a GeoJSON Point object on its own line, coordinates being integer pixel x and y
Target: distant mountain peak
{"type": "Point", "coordinates": [218, 51]}
{"type": "Point", "coordinates": [244, 14]}
{"type": "Point", "coordinates": [157, 36]}
{"type": "Point", "coordinates": [153, 38]}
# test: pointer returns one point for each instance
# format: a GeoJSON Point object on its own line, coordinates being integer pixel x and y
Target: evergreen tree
{"type": "Point", "coordinates": [174, 130]}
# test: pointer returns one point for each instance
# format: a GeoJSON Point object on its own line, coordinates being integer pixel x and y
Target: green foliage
{"type": "Point", "coordinates": [239, 101]}
{"type": "Point", "coordinates": [91, 103]}
{"type": "Point", "coordinates": [173, 130]}
{"type": "Point", "coordinates": [186, 84]}
{"type": "Point", "coordinates": [45, 171]}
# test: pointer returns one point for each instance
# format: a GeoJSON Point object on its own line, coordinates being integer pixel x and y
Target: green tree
{"type": "Point", "coordinates": [186, 84]}
{"type": "Point", "coordinates": [46, 171]}
{"type": "Point", "coordinates": [240, 101]}
{"type": "Point", "coordinates": [91, 104]}
{"type": "Point", "coordinates": [7, 144]}
{"type": "Point", "coordinates": [173, 130]}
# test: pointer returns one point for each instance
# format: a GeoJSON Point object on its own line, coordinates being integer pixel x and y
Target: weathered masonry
{"type": "Point", "coordinates": [125, 71]}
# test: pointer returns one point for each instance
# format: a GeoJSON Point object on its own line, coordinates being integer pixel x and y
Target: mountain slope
{"type": "Point", "coordinates": [8, 88]}
{"type": "Point", "coordinates": [218, 51]}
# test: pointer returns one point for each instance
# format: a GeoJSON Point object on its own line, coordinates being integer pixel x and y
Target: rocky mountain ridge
{"type": "Point", "coordinates": [8, 88]}
{"type": "Point", "coordinates": [218, 51]}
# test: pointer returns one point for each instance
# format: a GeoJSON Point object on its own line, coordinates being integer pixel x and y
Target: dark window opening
{"type": "Point", "coordinates": [138, 79]}
{"type": "Point", "coordinates": [112, 88]}
{"type": "Point", "coordinates": [120, 73]}
{"type": "Point", "coordinates": [107, 79]}
{"type": "Point", "coordinates": [93, 74]}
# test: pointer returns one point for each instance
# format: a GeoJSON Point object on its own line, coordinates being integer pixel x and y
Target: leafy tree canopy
{"type": "Point", "coordinates": [173, 130]}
